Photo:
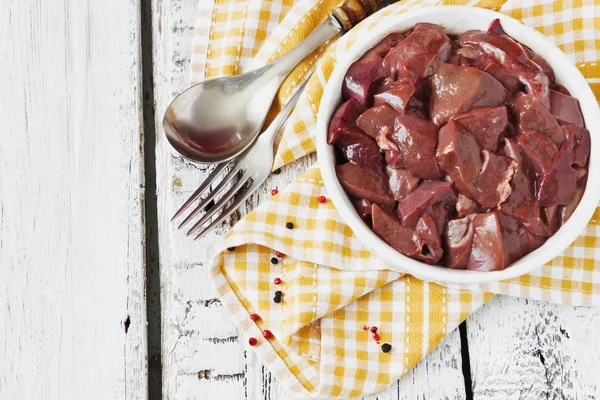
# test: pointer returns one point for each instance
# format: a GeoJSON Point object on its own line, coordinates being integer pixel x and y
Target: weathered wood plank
{"type": "Point", "coordinates": [202, 355]}
{"type": "Point", "coordinates": [71, 201]}
{"type": "Point", "coordinates": [524, 349]}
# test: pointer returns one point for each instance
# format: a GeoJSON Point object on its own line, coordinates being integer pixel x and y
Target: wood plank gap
{"type": "Point", "coordinates": [466, 363]}
{"type": "Point", "coordinates": [153, 296]}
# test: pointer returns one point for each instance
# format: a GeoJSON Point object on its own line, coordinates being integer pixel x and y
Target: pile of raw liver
{"type": "Point", "coordinates": [459, 151]}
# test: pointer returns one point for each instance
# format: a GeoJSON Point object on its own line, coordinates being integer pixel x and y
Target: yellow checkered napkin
{"type": "Point", "coordinates": [332, 287]}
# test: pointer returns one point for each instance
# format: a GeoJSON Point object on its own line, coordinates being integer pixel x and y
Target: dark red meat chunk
{"type": "Point", "coordinates": [401, 182]}
{"type": "Point", "coordinates": [364, 75]}
{"type": "Point", "coordinates": [521, 204]}
{"type": "Point", "coordinates": [397, 96]}
{"type": "Point", "coordinates": [375, 119]}
{"type": "Point", "coordinates": [565, 108]}
{"type": "Point", "coordinates": [416, 139]}
{"type": "Point", "coordinates": [458, 238]}
{"type": "Point", "coordinates": [511, 55]}
{"type": "Point", "coordinates": [417, 56]}
{"type": "Point", "coordinates": [486, 124]}
{"type": "Point", "coordinates": [364, 184]}
{"type": "Point", "coordinates": [487, 245]}
{"type": "Point", "coordinates": [343, 119]}
{"type": "Point", "coordinates": [436, 198]}
{"type": "Point", "coordinates": [422, 243]}
{"type": "Point", "coordinates": [363, 208]}
{"type": "Point", "coordinates": [456, 90]}
{"type": "Point", "coordinates": [531, 115]}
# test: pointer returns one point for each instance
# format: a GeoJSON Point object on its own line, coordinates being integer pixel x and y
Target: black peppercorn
{"type": "Point", "coordinates": [277, 299]}
{"type": "Point", "coordinates": [289, 225]}
{"type": "Point", "coordinates": [274, 260]}
{"type": "Point", "coordinates": [386, 347]}
{"type": "Point", "coordinates": [278, 293]}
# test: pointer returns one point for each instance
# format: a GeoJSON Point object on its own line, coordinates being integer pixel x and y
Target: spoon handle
{"type": "Point", "coordinates": [351, 12]}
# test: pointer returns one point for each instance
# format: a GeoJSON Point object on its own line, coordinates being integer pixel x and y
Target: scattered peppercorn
{"type": "Point", "coordinates": [278, 293]}
{"type": "Point", "coordinates": [254, 317]}
{"type": "Point", "coordinates": [267, 334]}
{"type": "Point", "coordinates": [322, 199]}
{"type": "Point", "coordinates": [386, 347]}
{"type": "Point", "coordinates": [277, 171]}
{"type": "Point", "coordinates": [376, 337]}
{"type": "Point", "coordinates": [289, 225]}
{"type": "Point", "coordinates": [252, 341]}
{"type": "Point", "coordinates": [274, 260]}
{"type": "Point", "coordinates": [231, 248]}
{"type": "Point", "coordinates": [277, 299]}
{"type": "Point", "coordinates": [277, 281]}
{"type": "Point", "coordinates": [365, 328]}
{"type": "Point", "coordinates": [373, 329]}
{"type": "Point", "coordinates": [274, 192]}
{"type": "Point", "coordinates": [279, 254]}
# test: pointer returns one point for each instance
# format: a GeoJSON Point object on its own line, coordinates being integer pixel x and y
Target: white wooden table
{"type": "Point", "coordinates": [101, 298]}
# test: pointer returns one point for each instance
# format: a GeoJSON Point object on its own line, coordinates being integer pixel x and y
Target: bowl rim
{"type": "Point", "coordinates": [450, 17]}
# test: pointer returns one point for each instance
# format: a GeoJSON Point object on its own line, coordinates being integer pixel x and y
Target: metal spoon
{"type": "Point", "coordinates": [216, 120]}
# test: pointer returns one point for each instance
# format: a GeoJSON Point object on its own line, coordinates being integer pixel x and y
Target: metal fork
{"type": "Point", "coordinates": [254, 166]}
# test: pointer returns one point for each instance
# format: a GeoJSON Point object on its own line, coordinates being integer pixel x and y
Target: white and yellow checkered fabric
{"type": "Point", "coordinates": [332, 286]}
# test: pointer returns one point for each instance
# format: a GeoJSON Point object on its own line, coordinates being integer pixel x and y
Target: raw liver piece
{"type": "Point", "coordinates": [360, 149]}
{"type": "Point", "coordinates": [416, 139]}
{"type": "Point", "coordinates": [364, 184]}
{"type": "Point", "coordinates": [363, 76]}
{"type": "Point", "coordinates": [487, 124]}
{"type": "Point", "coordinates": [459, 156]}
{"type": "Point", "coordinates": [569, 209]}
{"type": "Point", "coordinates": [487, 247]}
{"type": "Point", "coordinates": [505, 77]}
{"type": "Point", "coordinates": [363, 208]}
{"type": "Point", "coordinates": [428, 240]}
{"type": "Point", "coordinates": [422, 244]}
{"type": "Point", "coordinates": [541, 63]}
{"type": "Point", "coordinates": [517, 241]}
{"type": "Point", "coordinates": [436, 198]}
{"type": "Point", "coordinates": [376, 118]}
{"type": "Point", "coordinates": [492, 185]}
{"type": "Point", "coordinates": [378, 122]}
{"type": "Point", "coordinates": [511, 55]}
{"type": "Point", "coordinates": [344, 118]}
{"type": "Point", "coordinates": [580, 143]}
{"type": "Point", "coordinates": [531, 115]}
{"type": "Point", "coordinates": [540, 150]}
{"type": "Point", "coordinates": [391, 230]}
{"type": "Point", "coordinates": [459, 238]}
{"type": "Point", "coordinates": [466, 206]}
{"type": "Point", "coordinates": [397, 96]}
{"type": "Point", "coordinates": [456, 90]}
{"type": "Point", "coordinates": [556, 187]}
{"type": "Point", "coordinates": [417, 56]}
{"type": "Point", "coordinates": [401, 182]}
{"type": "Point", "coordinates": [565, 108]}
{"type": "Point", "coordinates": [521, 203]}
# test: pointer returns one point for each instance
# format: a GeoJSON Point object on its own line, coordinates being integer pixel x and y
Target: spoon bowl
{"type": "Point", "coordinates": [216, 120]}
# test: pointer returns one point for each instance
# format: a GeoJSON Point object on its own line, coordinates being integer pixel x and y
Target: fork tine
{"type": "Point", "coordinates": [236, 168]}
{"type": "Point", "coordinates": [221, 203]}
{"type": "Point", "coordinates": [241, 197]}
{"type": "Point", "coordinates": [201, 189]}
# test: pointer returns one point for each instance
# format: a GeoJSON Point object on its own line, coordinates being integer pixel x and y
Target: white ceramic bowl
{"type": "Point", "coordinates": [456, 19]}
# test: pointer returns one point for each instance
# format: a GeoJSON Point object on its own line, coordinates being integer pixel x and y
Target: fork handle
{"type": "Point", "coordinates": [351, 12]}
